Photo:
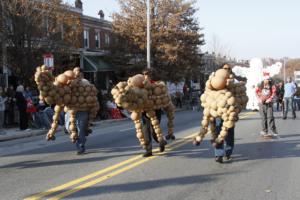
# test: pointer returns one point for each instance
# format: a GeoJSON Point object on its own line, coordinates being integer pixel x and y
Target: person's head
{"type": "Point", "coordinates": [280, 84]}
{"type": "Point", "coordinates": [266, 81]}
{"type": "Point", "coordinates": [227, 67]}
{"type": "Point", "coordinates": [11, 87]}
{"type": "Point", "coordinates": [289, 79]}
{"type": "Point", "coordinates": [20, 88]}
{"type": "Point", "coordinates": [148, 74]}
{"type": "Point", "coordinates": [27, 88]}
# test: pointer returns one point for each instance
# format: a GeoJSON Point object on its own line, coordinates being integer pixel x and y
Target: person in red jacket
{"type": "Point", "coordinates": [265, 93]}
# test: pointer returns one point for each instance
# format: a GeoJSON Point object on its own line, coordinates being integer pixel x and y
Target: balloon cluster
{"type": "Point", "coordinates": [223, 98]}
{"type": "Point", "coordinates": [67, 91]}
{"type": "Point", "coordinates": [139, 95]}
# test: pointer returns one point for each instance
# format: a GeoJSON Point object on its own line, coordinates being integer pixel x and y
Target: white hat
{"type": "Point", "coordinates": [20, 88]}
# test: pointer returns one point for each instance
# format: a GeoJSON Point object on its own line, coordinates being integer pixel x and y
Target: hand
{"type": "Point", "coordinates": [268, 101]}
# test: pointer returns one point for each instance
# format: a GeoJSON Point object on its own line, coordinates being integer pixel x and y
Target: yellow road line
{"type": "Point", "coordinates": [85, 178]}
{"type": "Point", "coordinates": [111, 168]}
{"type": "Point", "coordinates": [115, 173]}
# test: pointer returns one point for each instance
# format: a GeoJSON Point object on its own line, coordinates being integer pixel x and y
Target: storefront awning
{"type": "Point", "coordinates": [95, 64]}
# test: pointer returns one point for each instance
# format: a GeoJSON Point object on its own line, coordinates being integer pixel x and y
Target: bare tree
{"type": "Point", "coordinates": [32, 27]}
{"type": "Point", "coordinates": [175, 37]}
{"type": "Point", "coordinates": [218, 47]}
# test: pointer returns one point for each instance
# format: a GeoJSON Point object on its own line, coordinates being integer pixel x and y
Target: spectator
{"type": "Point", "coordinates": [28, 94]}
{"type": "Point", "coordinates": [20, 87]}
{"type": "Point", "coordinates": [265, 93]}
{"type": "Point", "coordinates": [279, 94]}
{"type": "Point", "coordinates": [290, 90]}
{"type": "Point", "coordinates": [10, 106]}
{"type": "Point", "coordinates": [297, 98]}
{"type": "Point", "coordinates": [22, 107]}
{"type": "Point", "coordinates": [2, 109]}
{"type": "Point", "coordinates": [178, 96]}
{"type": "Point", "coordinates": [113, 110]}
{"type": "Point", "coordinates": [42, 120]}
{"type": "Point", "coordinates": [31, 111]}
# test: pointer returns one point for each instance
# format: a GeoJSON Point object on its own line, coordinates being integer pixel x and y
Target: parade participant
{"type": "Point", "coordinates": [265, 93]}
{"type": "Point", "coordinates": [290, 90]}
{"type": "Point", "coordinates": [81, 121]}
{"type": "Point", "coordinates": [225, 148]}
{"type": "Point", "coordinates": [224, 98]}
{"type": "Point", "coordinates": [148, 130]}
{"type": "Point", "coordinates": [73, 94]}
{"type": "Point", "coordinates": [145, 98]}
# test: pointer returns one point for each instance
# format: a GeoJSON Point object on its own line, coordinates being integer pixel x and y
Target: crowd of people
{"type": "Point", "coordinates": [285, 95]}
{"type": "Point", "coordinates": [20, 107]}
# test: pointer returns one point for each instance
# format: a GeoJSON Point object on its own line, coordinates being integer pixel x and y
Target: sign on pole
{"type": "Point", "coordinates": [48, 60]}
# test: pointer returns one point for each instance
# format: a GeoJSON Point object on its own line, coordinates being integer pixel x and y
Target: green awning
{"type": "Point", "coordinates": [95, 64]}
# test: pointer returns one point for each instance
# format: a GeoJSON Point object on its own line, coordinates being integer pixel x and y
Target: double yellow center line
{"type": "Point", "coordinates": [109, 172]}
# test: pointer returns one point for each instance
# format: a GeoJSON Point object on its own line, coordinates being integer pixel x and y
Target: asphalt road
{"type": "Point", "coordinates": [113, 168]}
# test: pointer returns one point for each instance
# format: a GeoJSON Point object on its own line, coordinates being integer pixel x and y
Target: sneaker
{"type": "Point", "coordinates": [284, 118]}
{"type": "Point", "coordinates": [219, 159]}
{"type": "Point", "coordinates": [263, 133]}
{"type": "Point", "coordinates": [162, 147]}
{"type": "Point", "coordinates": [80, 152]}
{"type": "Point", "coordinates": [228, 158]}
{"type": "Point", "coordinates": [147, 154]}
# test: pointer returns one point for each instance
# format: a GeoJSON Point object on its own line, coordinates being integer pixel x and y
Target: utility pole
{"type": "Point", "coordinates": [284, 70]}
{"type": "Point", "coordinates": [148, 35]}
{"type": "Point", "coordinates": [3, 44]}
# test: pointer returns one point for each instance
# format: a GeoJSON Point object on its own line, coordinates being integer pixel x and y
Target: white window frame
{"type": "Point", "coordinates": [107, 39]}
{"type": "Point", "coordinates": [97, 36]}
{"type": "Point", "coordinates": [86, 38]}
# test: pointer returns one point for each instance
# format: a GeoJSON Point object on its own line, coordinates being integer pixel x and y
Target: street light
{"type": "Point", "coordinates": [284, 68]}
{"type": "Point", "coordinates": [148, 35]}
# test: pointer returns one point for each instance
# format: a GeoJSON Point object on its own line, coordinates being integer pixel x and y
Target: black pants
{"type": "Point", "coordinates": [23, 119]}
{"type": "Point", "coordinates": [148, 130]}
{"type": "Point", "coordinates": [178, 102]}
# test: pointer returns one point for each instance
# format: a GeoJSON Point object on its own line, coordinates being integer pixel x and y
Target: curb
{"type": "Point", "coordinates": [22, 135]}
{"type": "Point", "coordinates": [44, 132]}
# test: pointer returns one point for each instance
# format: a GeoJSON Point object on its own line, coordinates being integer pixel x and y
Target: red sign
{"type": "Point", "coordinates": [48, 60]}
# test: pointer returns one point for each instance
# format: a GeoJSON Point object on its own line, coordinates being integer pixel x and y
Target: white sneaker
{"type": "Point", "coordinates": [263, 133]}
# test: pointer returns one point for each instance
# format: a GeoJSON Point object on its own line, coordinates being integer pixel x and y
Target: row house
{"type": "Point", "coordinates": [96, 39]}
{"type": "Point", "coordinates": [96, 42]}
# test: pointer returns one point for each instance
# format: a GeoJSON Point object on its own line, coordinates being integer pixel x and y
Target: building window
{"type": "Point", "coordinates": [97, 39]}
{"type": "Point", "coordinates": [107, 39]}
{"type": "Point", "coordinates": [86, 38]}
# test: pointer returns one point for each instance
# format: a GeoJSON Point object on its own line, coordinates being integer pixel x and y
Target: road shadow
{"type": "Point", "coordinates": [71, 160]}
{"type": "Point", "coordinates": [264, 149]}
{"type": "Point", "coordinates": [149, 184]}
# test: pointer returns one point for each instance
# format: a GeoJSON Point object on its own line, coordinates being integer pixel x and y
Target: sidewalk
{"type": "Point", "coordinates": [16, 133]}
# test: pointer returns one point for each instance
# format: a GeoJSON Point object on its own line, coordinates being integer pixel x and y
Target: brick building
{"type": "Point", "coordinates": [96, 42]}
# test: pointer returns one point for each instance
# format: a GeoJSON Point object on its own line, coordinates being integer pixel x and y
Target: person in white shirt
{"type": "Point", "coordinates": [290, 90]}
